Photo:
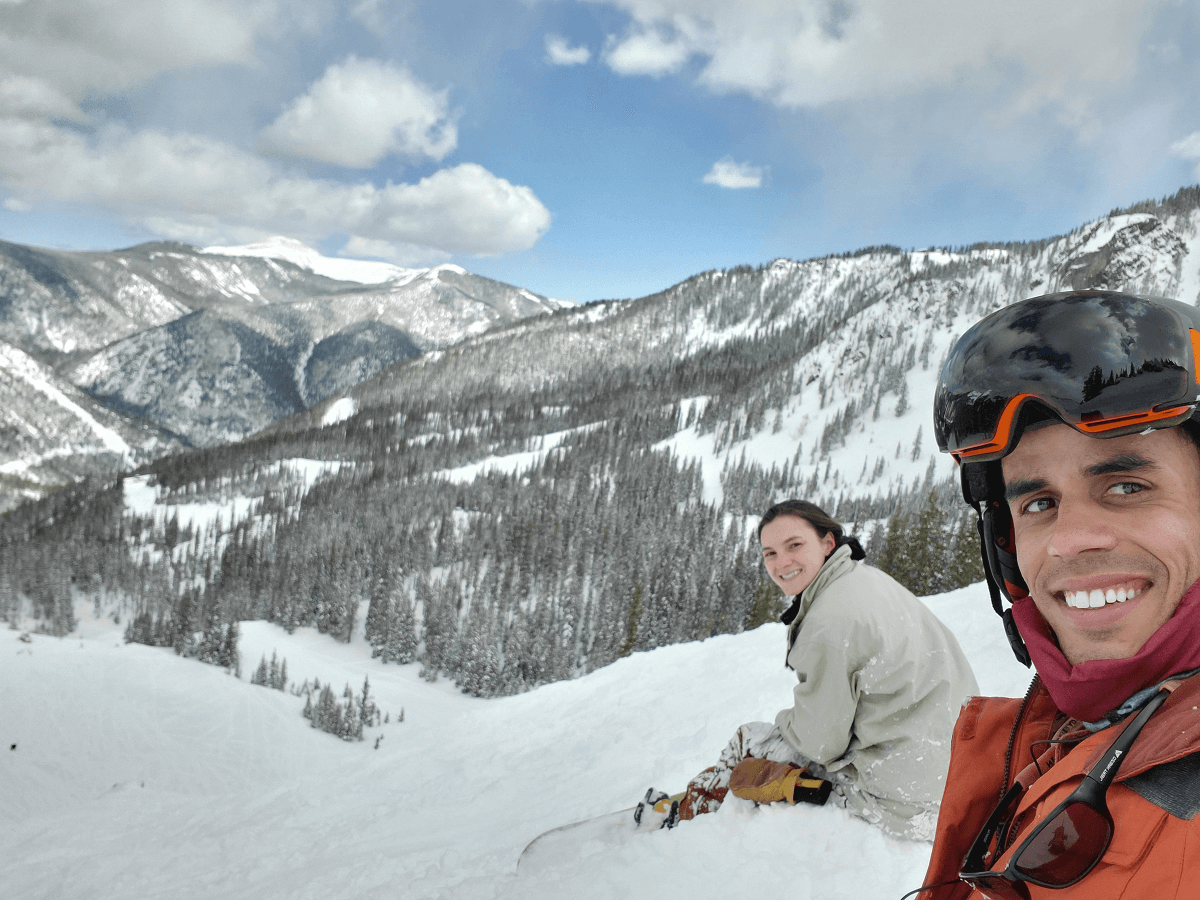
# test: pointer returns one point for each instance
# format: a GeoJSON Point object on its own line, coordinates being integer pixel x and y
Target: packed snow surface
{"type": "Point", "coordinates": [135, 773]}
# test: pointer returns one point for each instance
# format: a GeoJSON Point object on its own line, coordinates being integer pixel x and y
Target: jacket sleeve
{"type": "Point", "coordinates": [820, 723]}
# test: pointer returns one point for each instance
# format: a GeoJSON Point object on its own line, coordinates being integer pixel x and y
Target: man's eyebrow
{"type": "Point", "coordinates": [1126, 462]}
{"type": "Point", "coordinates": [1023, 486]}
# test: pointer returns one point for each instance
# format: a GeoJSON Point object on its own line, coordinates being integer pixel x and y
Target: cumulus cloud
{"type": "Point", "coordinates": [79, 46]}
{"type": "Point", "coordinates": [813, 52]}
{"type": "Point", "coordinates": [400, 254]}
{"type": "Point", "coordinates": [647, 51]}
{"type": "Point", "coordinates": [1188, 148]}
{"type": "Point", "coordinates": [560, 53]}
{"type": "Point", "coordinates": [371, 14]}
{"type": "Point", "coordinates": [199, 189]}
{"type": "Point", "coordinates": [361, 111]}
{"type": "Point", "coordinates": [729, 174]}
{"type": "Point", "coordinates": [28, 97]}
{"type": "Point", "coordinates": [12, 204]}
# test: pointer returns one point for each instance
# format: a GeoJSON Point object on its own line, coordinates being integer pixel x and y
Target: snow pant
{"type": "Point", "coordinates": [762, 740]}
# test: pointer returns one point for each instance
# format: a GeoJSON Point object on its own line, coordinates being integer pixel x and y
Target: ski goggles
{"type": "Point", "coordinates": [1067, 844]}
{"type": "Point", "coordinates": [1104, 363]}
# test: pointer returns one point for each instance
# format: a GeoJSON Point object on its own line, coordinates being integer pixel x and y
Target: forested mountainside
{"type": "Point", "coordinates": [534, 502]}
{"type": "Point", "coordinates": [169, 346]}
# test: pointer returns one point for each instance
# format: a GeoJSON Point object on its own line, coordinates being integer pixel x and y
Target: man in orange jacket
{"type": "Point", "coordinates": [1074, 419]}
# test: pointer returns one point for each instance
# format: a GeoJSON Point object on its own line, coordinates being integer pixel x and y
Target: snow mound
{"type": "Point", "coordinates": [137, 773]}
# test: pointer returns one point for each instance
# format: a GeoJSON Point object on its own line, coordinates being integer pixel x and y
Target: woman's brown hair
{"type": "Point", "coordinates": [821, 521]}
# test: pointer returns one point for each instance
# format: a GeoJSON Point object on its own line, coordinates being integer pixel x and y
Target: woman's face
{"type": "Point", "coordinates": [792, 552]}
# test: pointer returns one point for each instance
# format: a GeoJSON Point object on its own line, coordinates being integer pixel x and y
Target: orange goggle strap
{"type": "Point", "coordinates": [1000, 441]}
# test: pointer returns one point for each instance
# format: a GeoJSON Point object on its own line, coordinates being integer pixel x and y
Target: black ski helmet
{"type": "Point", "coordinates": [1105, 363]}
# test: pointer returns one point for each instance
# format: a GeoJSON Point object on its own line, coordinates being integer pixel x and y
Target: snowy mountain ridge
{"type": "Point", "coordinates": [865, 328]}
{"type": "Point", "coordinates": [211, 346]}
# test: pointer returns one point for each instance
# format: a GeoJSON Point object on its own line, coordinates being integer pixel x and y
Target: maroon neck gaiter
{"type": "Point", "coordinates": [1091, 689]}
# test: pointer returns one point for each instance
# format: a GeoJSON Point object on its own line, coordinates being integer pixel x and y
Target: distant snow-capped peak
{"type": "Point", "coordinates": [364, 271]}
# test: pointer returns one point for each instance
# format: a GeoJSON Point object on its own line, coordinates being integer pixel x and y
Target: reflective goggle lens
{"type": "Point", "coordinates": [1103, 362]}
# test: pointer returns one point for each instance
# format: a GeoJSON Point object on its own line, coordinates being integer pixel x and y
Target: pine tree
{"type": "Point", "coordinates": [894, 557]}
{"type": "Point", "coordinates": [965, 565]}
{"type": "Point", "coordinates": [766, 605]}
{"type": "Point", "coordinates": [366, 708]}
{"type": "Point", "coordinates": [925, 551]}
{"type": "Point", "coordinates": [635, 614]}
{"type": "Point", "coordinates": [902, 400]}
{"type": "Point", "coordinates": [402, 642]}
{"type": "Point", "coordinates": [229, 657]}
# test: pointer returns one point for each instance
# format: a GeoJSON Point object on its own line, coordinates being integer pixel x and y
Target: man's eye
{"type": "Point", "coordinates": [1126, 487]}
{"type": "Point", "coordinates": [1041, 504]}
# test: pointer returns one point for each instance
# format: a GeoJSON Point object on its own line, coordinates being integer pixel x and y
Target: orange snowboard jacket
{"type": "Point", "coordinates": [1155, 850]}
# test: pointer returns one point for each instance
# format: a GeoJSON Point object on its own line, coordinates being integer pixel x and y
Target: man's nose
{"type": "Point", "coordinates": [1079, 526]}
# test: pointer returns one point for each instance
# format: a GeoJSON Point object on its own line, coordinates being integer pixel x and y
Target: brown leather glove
{"type": "Point", "coordinates": [764, 781]}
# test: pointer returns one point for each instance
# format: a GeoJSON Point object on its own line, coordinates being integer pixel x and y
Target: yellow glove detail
{"type": "Point", "coordinates": [764, 781]}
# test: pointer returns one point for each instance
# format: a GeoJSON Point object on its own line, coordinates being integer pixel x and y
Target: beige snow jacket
{"type": "Point", "coordinates": [882, 681]}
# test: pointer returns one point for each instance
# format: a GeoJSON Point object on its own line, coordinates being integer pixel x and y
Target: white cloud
{"type": "Point", "coordinates": [560, 53]}
{"type": "Point", "coordinates": [729, 174]}
{"type": "Point", "coordinates": [12, 204]}
{"type": "Point", "coordinates": [361, 111]}
{"type": "Point", "coordinates": [647, 52]}
{"type": "Point", "coordinates": [464, 209]}
{"type": "Point", "coordinates": [814, 52]}
{"type": "Point", "coordinates": [371, 14]}
{"type": "Point", "coordinates": [1188, 147]}
{"type": "Point", "coordinates": [78, 46]}
{"type": "Point", "coordinates": [23, 96]}
{"type": "Point", "coordinates": [402, 254]}
{"type": "Point", "coordinates": [198, 189]}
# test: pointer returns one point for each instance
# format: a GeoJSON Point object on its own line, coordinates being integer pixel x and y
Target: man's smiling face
{"type": "Point", "coordinates": [1101, 520]}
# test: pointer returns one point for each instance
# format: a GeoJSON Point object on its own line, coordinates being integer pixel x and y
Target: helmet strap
{"type": "Point", "coordinates": [983, 489]}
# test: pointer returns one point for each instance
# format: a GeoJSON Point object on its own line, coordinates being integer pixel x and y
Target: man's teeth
{"type": "Point", "coordinates": [1097, 598]}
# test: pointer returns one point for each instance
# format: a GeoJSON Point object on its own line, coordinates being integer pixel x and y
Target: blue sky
{"type": "Point", "coordinates": [588, 149]}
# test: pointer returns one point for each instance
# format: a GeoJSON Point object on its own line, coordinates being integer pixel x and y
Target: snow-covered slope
{"type": "Point", "coordinates": [52, 431]}
{"type": "Point", "coordinates": [135, 773]}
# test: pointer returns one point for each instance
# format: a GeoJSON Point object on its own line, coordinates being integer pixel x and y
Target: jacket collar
{"type": "Point", "coordinates": [1172, 733]}
{"type": "Point", "coordinates": [837, 564]}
